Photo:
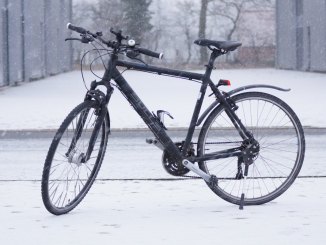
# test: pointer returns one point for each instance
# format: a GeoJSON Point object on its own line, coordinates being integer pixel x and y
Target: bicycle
{"type": "Point", "coordinates": [250, 148]}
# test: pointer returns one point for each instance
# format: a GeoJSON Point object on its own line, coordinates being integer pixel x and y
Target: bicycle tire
{"type": "Point", "coordinates": [266, 166]}
{"type": "Point", "coordinates": [82, 174]}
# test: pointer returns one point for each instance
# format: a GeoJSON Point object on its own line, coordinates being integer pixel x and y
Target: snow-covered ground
{"type": "Point", "coordinates": [165, 212]}
{"type": "Point", "coordinates": [127, 156]}
{"type": "Point", "coordinates": [152, 212]}
{"type": "Point", "coordinates": [44, 104]}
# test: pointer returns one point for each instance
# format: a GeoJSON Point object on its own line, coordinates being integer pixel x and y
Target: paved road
{"type": "Point", "coordinates": [22, 155]}
{"type": "Point", "coordinates": [154, 212]}
{"type": "Point", "coordinates": [163, 212]}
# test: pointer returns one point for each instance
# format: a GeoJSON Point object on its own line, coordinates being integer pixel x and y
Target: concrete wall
{"type": "Point", "coordinates": [3, 40]}
{"type": "Point", "coordinates": [66, 16]}
{"type": "Point", "coordinates": [34, 44]}
{"type": "Point", "coordinates": [32, 37]}
{"type": "Point", "coordinates": [15, 40]}
{"type": "Point", "coordinates": [285, 33]}
{"type": "Point", "coordinates": [315, 34]}
{"type": "Point", "coordinates": [301, 34]}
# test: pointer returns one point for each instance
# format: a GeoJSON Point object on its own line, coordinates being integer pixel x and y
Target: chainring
{"type": "Point", "coordinates": [171, 166]}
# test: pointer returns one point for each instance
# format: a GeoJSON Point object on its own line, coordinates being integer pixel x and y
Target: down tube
{"type": "Point", "coordinates": [146, 115]}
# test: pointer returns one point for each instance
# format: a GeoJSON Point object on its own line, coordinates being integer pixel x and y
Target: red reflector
{"type": "Point", "coordinates": [223, 82]}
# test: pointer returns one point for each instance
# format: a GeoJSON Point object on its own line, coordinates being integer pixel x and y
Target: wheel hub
{"type": "Point", "coordinates": [251, 151]}
{"type": "Point", "coordinates": [76, 158]}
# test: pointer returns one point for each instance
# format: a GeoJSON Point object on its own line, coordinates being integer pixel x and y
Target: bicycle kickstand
{"type": "Point", "coordinates": [243, 186]}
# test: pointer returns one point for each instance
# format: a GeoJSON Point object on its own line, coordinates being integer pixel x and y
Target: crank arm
{"type": "Point", "coordinates": [193, 167]}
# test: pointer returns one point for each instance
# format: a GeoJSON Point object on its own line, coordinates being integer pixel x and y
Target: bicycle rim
{"type": "Point", "coordinates": [279, 133]}
{"type": "Point", "coordinates": [66, 178]}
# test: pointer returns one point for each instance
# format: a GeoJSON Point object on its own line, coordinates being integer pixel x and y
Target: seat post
{"type": "Point", "coordinates": [210, 66]}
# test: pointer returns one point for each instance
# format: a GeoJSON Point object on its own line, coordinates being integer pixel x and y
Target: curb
{"type": "Point", "coordinates": [119, 132]}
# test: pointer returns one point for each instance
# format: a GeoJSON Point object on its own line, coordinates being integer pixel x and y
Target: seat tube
{"type": "Point", "coordinates": [206, 79]}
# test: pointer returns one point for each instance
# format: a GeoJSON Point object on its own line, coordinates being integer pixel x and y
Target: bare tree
{"type": "Point", "coordinates": [159, 25]}
{"type": "Point", "coordinates": [231, 11]}
{"type": "Point", "coordinates": [106, 14]}
{"type": "Point", "coordinates": [186, 22]}
{"type": "Point", "coordinates": [202, 29]}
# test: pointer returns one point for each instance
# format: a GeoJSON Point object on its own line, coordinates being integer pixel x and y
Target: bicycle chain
{"type": "Point", "coordinates": [220, 143]}
{"type": "Point", "coordinates": [207, 143]}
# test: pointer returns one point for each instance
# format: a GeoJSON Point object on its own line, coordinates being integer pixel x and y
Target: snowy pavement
{"type": "Point", "coordinates": [152, 212]}
{"type": "Point", "coordinates": [165, 212]}
{"type": "Point", "coordinates": [127, 156]}
{"type": "Point", "coordinates": [44, 104]}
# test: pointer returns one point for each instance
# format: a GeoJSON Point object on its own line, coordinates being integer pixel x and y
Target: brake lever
{"type": "Point", "coordinates": [86, 39]}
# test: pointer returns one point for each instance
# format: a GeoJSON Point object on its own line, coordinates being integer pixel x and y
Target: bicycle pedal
{"type": "Point", "coordinates": [213, 182]}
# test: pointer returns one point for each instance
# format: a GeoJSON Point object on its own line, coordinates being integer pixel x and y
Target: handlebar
{"type": "Point", "coordinates": [87, 36]}
{"type": "Point", "coordinates": [76, 28]}
{"type": "Point", "coordinates": [150, 53]}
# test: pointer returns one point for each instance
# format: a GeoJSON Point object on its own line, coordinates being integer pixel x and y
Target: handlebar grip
{"type": "Point", "coordinates": [150, 53]}
{"type": "Point", "coordinates": [76, 28]}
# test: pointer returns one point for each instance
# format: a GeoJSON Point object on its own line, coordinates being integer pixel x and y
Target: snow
{"type": "Point", "coordinates": [175, 212]}
{"type": "Point", "coordinates": [127, 156]}
{"type": "Point", "coordinates": [152, 212]}
{"type": "Point", "coordinates": [44, 104]}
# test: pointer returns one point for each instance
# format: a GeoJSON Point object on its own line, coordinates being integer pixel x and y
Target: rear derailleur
{"type": "Point", "coordinates": [250, 152]}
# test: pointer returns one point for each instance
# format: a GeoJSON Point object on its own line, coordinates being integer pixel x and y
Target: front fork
{"type": "Point", "coordinates": [77, 133]}
{"type": "Point", "coordinates": [100, 111]}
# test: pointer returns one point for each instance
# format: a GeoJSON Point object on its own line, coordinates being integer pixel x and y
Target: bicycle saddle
{"type": "Point", "coordinates": [225, 45]}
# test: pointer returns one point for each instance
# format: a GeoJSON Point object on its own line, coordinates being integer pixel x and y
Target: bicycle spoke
{"type": "Point", "coordinates": [277, 158]}
{"type": "Point", "coordinates": [68, 177]}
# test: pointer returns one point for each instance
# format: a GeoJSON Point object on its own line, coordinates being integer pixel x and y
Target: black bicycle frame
{"type": "Point", "coordinates": [153, 123]}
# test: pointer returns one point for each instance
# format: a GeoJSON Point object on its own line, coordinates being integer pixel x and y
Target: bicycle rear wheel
{"type": "Point", "coordinates": [67, 176]}
{"type": "Point", "coordinates": [282, 145]}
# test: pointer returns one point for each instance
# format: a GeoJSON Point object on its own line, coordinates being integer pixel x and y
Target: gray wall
{"type": "Point", "coordinates": [301, 34]}
{"type": "Point", "coordinates": [15, 39]}
{"type": "Point", "coordinates": [3, 54]}
{"type": "Point", "coordinates": [35, 31]}
{"type": "Point", "coordinates": [34, 39]}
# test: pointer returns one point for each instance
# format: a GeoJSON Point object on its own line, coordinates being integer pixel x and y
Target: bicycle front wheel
{"type": "Point", "coordinates": [282, 145]}
{"type": "Point", "coordinates": [68, 174]}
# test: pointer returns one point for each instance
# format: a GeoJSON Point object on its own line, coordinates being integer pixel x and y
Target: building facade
{"type": "Point", "coordinates": [301, 35]}
{"type": "Point", "coordinates": [32, 37]}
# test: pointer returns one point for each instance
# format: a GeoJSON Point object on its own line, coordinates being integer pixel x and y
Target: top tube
{"type": "Point", "coordinates": [160, 70]}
